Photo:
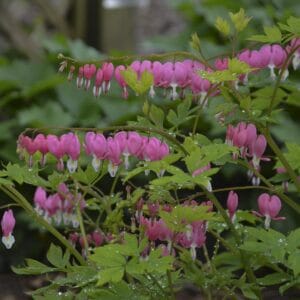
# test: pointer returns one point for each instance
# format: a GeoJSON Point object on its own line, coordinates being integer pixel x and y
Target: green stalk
{"type": "Point", "coordinates": [282, 196]}
{"type": "Point", "coordinates": [281, 157]}
{"type": "Point", "coordinates": [19, 199]}
{"type": "Point", "coordinates": [170, 283]}
{"type": "Point", "coordinates": [237, 237]}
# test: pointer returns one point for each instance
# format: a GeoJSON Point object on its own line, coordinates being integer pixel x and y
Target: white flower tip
{"type": "Point", "coordinates": [72, 165]}
{"type": "Point", "coordinates": [8, 241]}
{"type": "Point", "coordinates": [112, 169]}
{"type": "Point", "coordinates": [96, 163]}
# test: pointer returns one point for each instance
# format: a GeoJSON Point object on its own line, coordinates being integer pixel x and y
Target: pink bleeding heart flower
{"type": "Point", "coordinates": [108, 72]}
{"type": "Point", "coordinates": [97, 89]}
{"type": "Point", "coordinates": [71, 146]}
{"type": "Point", "coordinates": [232, 204]}
{"type": "Point", "coordinates": [53, 205]}
{"type": "Point", "coordinates": [88, 72]}
{"type": "Point", "coordinates": [56, 148]}
{"type": "Point", "coordinates": [28, 144]}
{"type": "Point", "coordinates": [121, 81]}
{"type": "Point", "coordinates": [113, 155]}
{"type": "Point", "coordinates": [193, 238]}
{"type": "Point", "coordinates": [200, 87]}
{"type": "Point", "coordinates": [80, 79]}
{"type": "Point", "coordinates": [134, 143]}
{"type": "Point", "coordinates": [153, 208]}
{"type": "Point", "coordinates": [146, 65]}
{"type": "Point", "coordinates": [295, 43]}
{"type": "Point", "coordinates": [73, 238]}
{"type": "Point", "coordinates": [136, 67]}
{"type": "Point", "coordinates": [40, 198]}
{"type": "Point", "coordinates": [157, 71]}
{"type": "Point", "coordinates": [269, 207]}
{"type": "Point", "coordinates": [97, 238]}
{"type": "Point", "coordinates": [8, 223]}
{"type": "Point", "coordinates": [221, 64]}
{"type": "Point", "coordinates": [96, 145]}
{"type": "Point", "coordinates": [257, 149]}
{"type": "Point", "coordinates": [273, 56]}
{"type": "Point", "coordinates": [71, 72]}
{"type": "Point", "coordinates": [41, 144]}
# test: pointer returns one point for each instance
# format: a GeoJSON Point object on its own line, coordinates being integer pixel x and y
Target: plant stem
{"type": "Point", "coordinates": [279, 78]}
{"type": "Point", "coordinates": [281, 157]}
{"type": "Point", "coordinates": [284, 197]}
{"type": "Point", "coordinates": [19, 198]}
{"type": "Point", "coordinates": [169, 276]}
{"type": "Point", "coordinates": [223, 241]}
{"type": "Point", "coordinates": [236, 235]}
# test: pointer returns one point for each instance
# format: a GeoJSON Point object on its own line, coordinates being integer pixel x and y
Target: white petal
{"type": "Point", "coordinates": [8, 241]}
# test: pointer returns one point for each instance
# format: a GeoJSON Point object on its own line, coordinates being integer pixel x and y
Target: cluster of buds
{"type": "Point", "coordinates": [182, 75]}
{"type": "Point", "coordinates": [250, 144]}
{"type": "Point", "coordinates": [269, 207]}
{"type": "Point", "coordinates": [122, 144]}
{"type": "Point", "coordinates": [156, 230]}
{"type": "Point", "coordinates": [93, 239]}
{"type": "Point", "coordinates": [8, 223]}
{"type": "Point", "coordinates": [59, 208]}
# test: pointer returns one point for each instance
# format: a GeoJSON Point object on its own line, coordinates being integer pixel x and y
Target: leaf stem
{"type": "Point", "coordinates": [281, 157]}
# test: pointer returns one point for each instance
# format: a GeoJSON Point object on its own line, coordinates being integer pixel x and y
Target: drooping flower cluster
{"type": "Point", "coordinates": [157, 232]}
{"type": "Point", "coordinates": [8, 223]}
{"type": "Point", "coordinates": [179, 76]}
{"type": "Point", "coordinates": [122, 144]}
{"type": "Point", "coordinates": [59, 208]}
{"type": "Point", "coordinates": [175, 77]}
{"type": "Point", "coordinates": [269, 207]}
{"type": "Point", "coordinates": [67, 144]}
{"type": "Point", "coordinates": [250, 144]}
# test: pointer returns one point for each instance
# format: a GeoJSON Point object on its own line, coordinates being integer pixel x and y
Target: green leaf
{"type": "Point", "coordinates": [235, 68]}
{"type": "Point", "coordinates": [130, 245]}
{"type": "Point", "coordinates": [176, 219]}
{"type": "Point", "coordinates": [33, 267]}
{"type": "Point", "coordinates": [113, 274]}
{"type": "Point", "coordinates": [272, 35]}
{"type": "Point", "coordinates": [140, 86]}
{"type": "Point", "coordinates": [157, 115]}
{"type": "Point", "coordinates": [240, 20]}
{"type": "Point", "coordinates": [293, 26]}
{"type": "Point", "coordinates": [293, 240]}
{"type": "Point", "coordinates": [272, 279]}
{"type": "Point", "coordinates": [293, 262]}
{"type": "Point", "coordinates": [108, 256]}
{"type": "Point", "coordinates": [223, 26]}
{"type": "Point", "coordinates": [202, 156]}
{"type": "Point", "coordinates": [55, 256]}
{"type": "Point", "coordinates": [195, 42]}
